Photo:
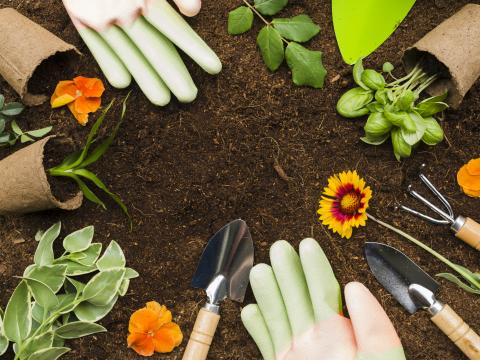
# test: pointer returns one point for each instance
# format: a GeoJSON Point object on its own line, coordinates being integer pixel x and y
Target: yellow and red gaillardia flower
{"type": "Point", "coordinates": [152, 330]}
{"type": "Point", "coordinates": [344, 203]}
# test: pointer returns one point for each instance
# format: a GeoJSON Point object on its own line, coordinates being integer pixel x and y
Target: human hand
{"type": "Point", "coordinates": [134, 38]}
{"type": "Point", "coordinates": [298, 314]}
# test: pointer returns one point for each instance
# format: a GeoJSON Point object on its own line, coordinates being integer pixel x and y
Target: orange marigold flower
{"type": "Point", "coordinates": [468, 177]}
{"type": "Point", "coordinates": [152, 330]}
{"type": "Point", "coordinates": [82, 95]}
{"type": "Point", "coordinates": [344, 203]}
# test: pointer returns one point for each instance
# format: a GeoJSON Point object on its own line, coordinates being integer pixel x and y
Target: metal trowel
{"type": "Point", "coordinates": [223, 273]}
{"type": "Point", "coordinates": [414, 289]}
{"type": "Point", "coordinates": [361, 26]}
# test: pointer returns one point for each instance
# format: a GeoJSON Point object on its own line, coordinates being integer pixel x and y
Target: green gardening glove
{"type": "Point", "coordinates": [298, 314]}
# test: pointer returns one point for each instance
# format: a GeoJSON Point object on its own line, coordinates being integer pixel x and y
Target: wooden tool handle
{"type": "Point", "coordinates": [470, 233]}
{"type": "Point", "coordinates": [458, 331]}
{"type": "Point", "coordinates": [202, 335]}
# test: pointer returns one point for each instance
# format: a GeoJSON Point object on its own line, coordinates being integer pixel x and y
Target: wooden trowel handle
{"type": "Point", "coordinates": [470, 233]}
{"type": "Point", "coordinates": [202, 335]}
{"type": "Point", "coordinates": [458, 331]}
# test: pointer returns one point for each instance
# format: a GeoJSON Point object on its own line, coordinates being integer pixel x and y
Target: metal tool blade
{"type": "Point", "coordinates": [225, 264]}
{"type": "Point", "coordinates": [396, 272]}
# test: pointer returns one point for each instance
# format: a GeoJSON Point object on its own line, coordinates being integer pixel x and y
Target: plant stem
{"type": "Point", "coordinates": [440, 257]}
{"type": "Point", "coordinates": [268, 23]}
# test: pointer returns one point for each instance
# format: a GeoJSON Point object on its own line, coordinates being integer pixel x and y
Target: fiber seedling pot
{"type": "Point", "coordinates": [24, 184]}
{"type": "Point", "coordinates": [451, 50]}
{"type": "Point", "coordinates": [24, 46]}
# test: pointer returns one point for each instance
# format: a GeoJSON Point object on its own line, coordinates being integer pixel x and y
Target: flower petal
{"type": "Point", "coordinates": [65, 87]}
{"type": "Point", "coordinates": [471, 193]}
{"type": "Point", "coordinates": [86, 105]}
{"type": "Point", "coordinates": [466, 180]}
{"type": "Point", "coordinates": [473, 167]}
{"type": "Point", "coordinates": [144, 321]}
{"type": "Point", "coordinates": [90, 87]}
{"type": "Point", "coordinates": [82, 118]}
{"type": "Point", "coordinates": [141, 343]}
{"type": "Point", "coordinates": [167, 338]}
{"type": "Point", "coordinates": [61, 100]}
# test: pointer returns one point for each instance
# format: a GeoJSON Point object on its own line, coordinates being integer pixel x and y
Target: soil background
{"type": "Point", "coordinates": [186, 170]}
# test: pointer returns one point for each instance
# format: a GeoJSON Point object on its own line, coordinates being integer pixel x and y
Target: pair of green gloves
{"type": "Point", "coordinates": [298, 314]}
{"type": "Point", "coordinates": [138, 39]}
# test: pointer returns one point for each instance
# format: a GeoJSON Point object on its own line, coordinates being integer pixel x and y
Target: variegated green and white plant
{"type": "Point", "coordinates": [51, 305]}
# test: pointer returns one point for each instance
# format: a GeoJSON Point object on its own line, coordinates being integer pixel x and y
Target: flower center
{"type": "Point", "coordinates": [78, 93]}
{"type": "Point", "coordinates": [151, 333]}
{"type": "Point", "coordinates": [350, 202]}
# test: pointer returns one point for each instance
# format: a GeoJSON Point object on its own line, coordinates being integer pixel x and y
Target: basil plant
{"type": "Point", "coordinates": [394, 109]}
{"type": "Point", "coordinates": [51, 304]}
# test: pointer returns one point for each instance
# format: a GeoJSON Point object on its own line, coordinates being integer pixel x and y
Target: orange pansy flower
{"type": "Point", "coordinates": [82, 95]}
{"type": "Point", "coordinates": [152, 330]}
{"type": "Point", "coordinates": [468, 177]}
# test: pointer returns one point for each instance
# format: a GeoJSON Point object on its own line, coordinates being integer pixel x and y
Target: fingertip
{"type": "Point", "coordinates": [189, 7]}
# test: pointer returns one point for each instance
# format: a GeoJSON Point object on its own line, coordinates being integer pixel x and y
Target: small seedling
{"type": "Point", "coordinates": [75, 165]}
{"type": "Point", "coordinates": [306, 65]}
{"type": "Point", "coordinates": [8, 111]}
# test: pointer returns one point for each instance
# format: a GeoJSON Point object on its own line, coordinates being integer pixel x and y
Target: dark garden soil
{"type": "Point", "coordinates": [185, 170]}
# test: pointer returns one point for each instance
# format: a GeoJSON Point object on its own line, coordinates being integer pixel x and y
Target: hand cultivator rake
{"type": "Point", "coordinates": [464, 228]}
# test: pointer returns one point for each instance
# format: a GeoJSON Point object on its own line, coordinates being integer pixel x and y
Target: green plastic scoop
{"type": "Point", "coordinates": [361, 26]}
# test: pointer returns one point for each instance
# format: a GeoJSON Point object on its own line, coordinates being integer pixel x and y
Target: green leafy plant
{"type": "Point", "coordinates": [306, 65]}
{"type": "Point", "coordinates": [51, 304]}
{"type": "Point", "coordinates": [471, 280]}
{"type": "Point", "coordinates": [394, 109]}
{"type": "Point", "coordinates": [7, 113]}
{"type": "Point", "coordinates": [75, 165]}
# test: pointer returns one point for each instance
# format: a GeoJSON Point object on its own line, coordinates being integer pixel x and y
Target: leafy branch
{"type": "Point", "coordinates": [50, 305]}
{"type": "Point", "coordinates": [75, 165]}
{"type": "Point", "coordinates": [7, 112]}
{"type": "Point", "coordinates": [306, 65]}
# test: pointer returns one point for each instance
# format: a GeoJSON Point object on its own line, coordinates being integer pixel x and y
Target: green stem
{"type": "Point", "coordinates": [440, 257]}
{"type": "Point", "coordinates": [268, 23]}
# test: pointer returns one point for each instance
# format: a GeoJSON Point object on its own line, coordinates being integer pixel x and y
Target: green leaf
{"type": "Point", "coordinates": [73, 286]}
{"type": "Point", "coordinates": [130, 273]}
{"type": "Point", "coordinates": [25, 138]}
{"type": "Point", "coordinates": [2, 101]}
{"type": "Point", "coordinates": [12, 109]}
{"type": "Point", "coordinates": [298, 28]}
{"type": "Point", "coordinates": [240, 20]}
{"type": "Point", "coordinates": [79, 240]}
{"type": "Point", "coordinates": [39, 235]}
{"type": "Point", "coordinates": [427, 109]}
{"type": "Point", "coordinates": [103, 287]}
{"type": "Point", "coordinates": [306, 65]}
{"type": "Point", "coordinates": [98, 152]}
{"type": "Point", "coordinates": [270, 7]}
{"type": "Point", "coordinates": [388, 67]}
{"type": "Point", "coordinates": [44, 253]}
{"type": "Point", "coordinates": [40, 132]}
{"type": "Point", "coordinates": [93, 178]}
{"type": "Point", "coordinates": [271, 47]}
{"type": "Point", "coordinates": [66, 303]}
{"type": "Point", "coordinates": [52, 353]}
{"type": "Point", "coordinates": [86, 190]}
{"type": "Point", "coordinates": [37, 343]}
{"type": "Point", "coordinates": [433, 132]}
{"type": "Point", "coordinates": [381, 96]}
{"type": "Point", "coordinates": [76, 269]}
{"type": "Point", "coordinates": [406, 101]}
{"type": "Point", "coordinates": [413, 137]}
{"type": "Point", "coordinates": [122, 290]}
{"type": "Point", "coordinates": [15, 128]}
{"type": "Point", "coordinates": [454, 279]}
{"type": "Point", "coordinates": [353, 103]}
{"type": "Point", "coordinates": [373, 79]}
{"type": "Point", "coordinates": [91, 137]}
{"type": "Point", "coordinates": [357, 74]}
{"type": "Point", "coordinates": [37, 313]}
{"type": "Point", "coordinates": [113, 258]}
{"type": "Point", "coordinates": [17, 321]}
{"type": "Point", "coordinates": [372, 140]}
{"type": "Point", "coordinates": [3, 338]}
{"type": "Point", "coordinates": [42, 294]}
{"type": "Point", "coordinates": [86, 311]}
{"type": "Point", "coordinates": [87, 257]}
{"type": "Point", "coordinates": [51, 275]}
{"type": "Point", "coordinates": [400, 148]}
{"type": "Point", "coordinates": [2, 124]}
{"type": "Point", "coordinates": [377, 125]}
{"type": "Point", "coordinates": [78, 329]}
